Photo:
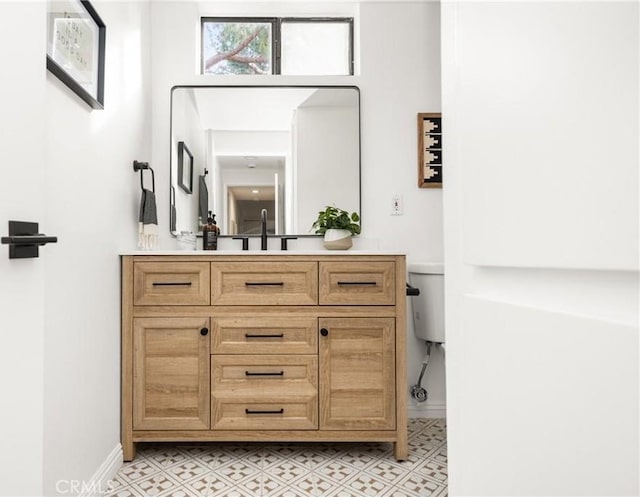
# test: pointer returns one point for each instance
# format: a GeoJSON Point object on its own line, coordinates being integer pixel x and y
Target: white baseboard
{"type": "Point", "coordinates": [99, 483]}
{"type": "Point", "coordinates": [428, 410]}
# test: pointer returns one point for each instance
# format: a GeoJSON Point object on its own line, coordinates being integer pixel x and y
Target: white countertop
{"type": "Point", "coordinates": [222, 253]}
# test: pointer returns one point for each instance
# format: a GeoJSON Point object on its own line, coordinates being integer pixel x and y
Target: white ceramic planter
{"type": "Point", "coordinates": [337, 240]}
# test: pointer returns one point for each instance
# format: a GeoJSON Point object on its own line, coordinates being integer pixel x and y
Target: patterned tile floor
{"type": "Point", "coordinates": [290, 469]}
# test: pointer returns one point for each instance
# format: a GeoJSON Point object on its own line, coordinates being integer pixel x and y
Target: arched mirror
{"type": "Point", "coordinates": [290, 150]}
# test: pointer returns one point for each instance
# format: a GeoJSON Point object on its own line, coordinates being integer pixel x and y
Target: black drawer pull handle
{"type": "Point", "coordinates": [264, 283]}
{"type": "Point", "coordinates": [344, 283]}
{"type": "Point", "coordinates": [204, 332]}
{"type": "Point", "coordinates": [249, 411]}
{"type": "Point", "coordinates": [249, 373]}
{"type": "Point", "coordinates": [171, 283]}
{"type": "Point", "coordinates": [278, 335]}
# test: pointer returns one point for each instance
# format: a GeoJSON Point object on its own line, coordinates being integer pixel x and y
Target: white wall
{"type": "Point", "coordinates": [397, 80]}
{"type": "Point", "coordinates": [395, 84]}
{"type": "Point", "coordinates": [92, 201]}
{"type": "Point", "coordinates": [540, 105]}
{"type": "Point", "coordinates": [315, 186]}
{"type": "Point", "coordinates": [68, 168]}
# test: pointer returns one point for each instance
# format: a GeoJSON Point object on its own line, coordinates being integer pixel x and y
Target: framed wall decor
{"type": "Point", "coordinates": [76, 48]}
{"type": "Point", "coordinates": [430, 150]}
{"type": "Point", "coordinates": [185, 168]}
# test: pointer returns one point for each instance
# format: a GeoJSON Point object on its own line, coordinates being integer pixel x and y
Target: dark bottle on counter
{"type": "Point", "coordinates": [210, 232]}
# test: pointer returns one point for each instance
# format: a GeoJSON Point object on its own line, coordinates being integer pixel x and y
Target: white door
{"type": "Point", "coordinates": [540, 132]}
{"type": "Point", "coordinates": [21, 280]}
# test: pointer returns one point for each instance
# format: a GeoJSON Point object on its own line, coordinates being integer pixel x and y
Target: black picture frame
{"type": "Point", "coordinates": [185, 168]}
{"type": "Point", "coordinates": [76, 37]}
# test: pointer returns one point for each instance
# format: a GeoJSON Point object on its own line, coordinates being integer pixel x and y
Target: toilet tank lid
{"type": "Point", "coordinates": [426, 268]}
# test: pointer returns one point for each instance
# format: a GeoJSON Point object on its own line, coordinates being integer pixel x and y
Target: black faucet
{"type": "Point", "coordinates": [263, 234]}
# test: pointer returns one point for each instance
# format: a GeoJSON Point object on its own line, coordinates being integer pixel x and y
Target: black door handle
{"type": "Point", "coordinates": [24, 240]}
{"type": "Point", "coordinates": [324, 332]}
{"type": "Point", "coordinates": [204, 332]}
{"type": "Point", "coordinates": [38, 239]}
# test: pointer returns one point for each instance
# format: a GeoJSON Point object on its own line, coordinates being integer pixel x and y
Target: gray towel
{"type": "Point", "coordinates": [148, 221]}
{"type": "Point", "coordinates": [173, 217]}
{"type": "Point", "coordinates": [148, 211]}
{"type": "Point", "coordinates": [204, 199]}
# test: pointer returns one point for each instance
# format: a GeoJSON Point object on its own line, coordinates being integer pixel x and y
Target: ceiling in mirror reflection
{"type": "Point", "coordinates": [290, 150]}
{"type": "Point", "coordinates": [249, 109]}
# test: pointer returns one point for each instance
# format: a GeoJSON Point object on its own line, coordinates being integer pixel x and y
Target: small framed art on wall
{"type": "Point", "coordinates": [430, 150]}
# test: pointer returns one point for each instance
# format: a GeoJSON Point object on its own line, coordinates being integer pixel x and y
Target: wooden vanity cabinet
{"type": "Point", "coordinates": [263, 347]}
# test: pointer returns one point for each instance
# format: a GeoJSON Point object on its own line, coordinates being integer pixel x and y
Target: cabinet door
{"type": "Point", "coordinates": [357, 373]}
{"type": "Point", "coordinates": [171, 374]}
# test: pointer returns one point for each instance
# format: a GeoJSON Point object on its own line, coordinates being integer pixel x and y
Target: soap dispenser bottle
{"type": "Point", "coordinates": [210, 232]}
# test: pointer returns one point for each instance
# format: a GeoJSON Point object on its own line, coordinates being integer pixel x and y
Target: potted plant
{"type": "Point", "coordinates": [337, 226]}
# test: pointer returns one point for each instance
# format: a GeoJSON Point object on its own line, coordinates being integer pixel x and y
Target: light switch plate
{"type": "Point", "coordinates": [397, 205]}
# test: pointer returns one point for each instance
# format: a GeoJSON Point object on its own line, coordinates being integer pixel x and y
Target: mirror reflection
{"type": "Point", "coordinates": [289, 150]}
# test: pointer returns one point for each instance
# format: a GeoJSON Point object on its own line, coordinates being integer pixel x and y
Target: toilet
{"type": "Point", "coordinates": [428, 314]}
{"type": "Point", "coordinates": [428, 307]}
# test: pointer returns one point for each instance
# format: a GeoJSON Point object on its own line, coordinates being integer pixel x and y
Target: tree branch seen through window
{"type": "Point", "coordinates": [237, 48]}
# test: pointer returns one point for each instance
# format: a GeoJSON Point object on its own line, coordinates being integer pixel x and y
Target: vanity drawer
{"type": "Point", "coordinates": [276, 334]}
{"type": "Point", "coordinates": [274, 413]}
{"type": "Point", "coordinates": [264, 283]}
{"type": "Point", "coordinates": [174, 283]}
{"type": "Point", "coordinates": [264, 392]}
{"type": "Point", "coordinates": [357, 283]}
{"type": "Point", "coordinates": [256, 374]}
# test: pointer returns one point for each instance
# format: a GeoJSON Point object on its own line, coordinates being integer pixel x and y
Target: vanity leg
{"type": "Point", "coordinates": [400, 447]}
{"type": "Point", "coordinates": [128, 451]}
